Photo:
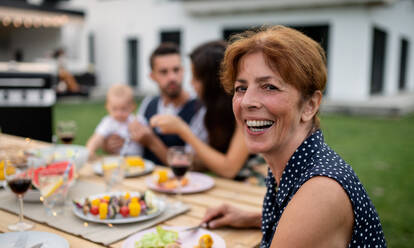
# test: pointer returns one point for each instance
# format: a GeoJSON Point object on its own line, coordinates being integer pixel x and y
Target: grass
{"type": "Point", "coordinates": [381, 153]}
{"type": "Point", "coordinates": [379, 149]}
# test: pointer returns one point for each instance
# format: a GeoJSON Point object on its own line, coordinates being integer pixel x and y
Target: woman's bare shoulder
{"type": "Point", "coordinates": [320, 213]}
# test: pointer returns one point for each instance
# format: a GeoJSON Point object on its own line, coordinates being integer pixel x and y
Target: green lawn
{"type": "Point", "coordinates": [379, 149]}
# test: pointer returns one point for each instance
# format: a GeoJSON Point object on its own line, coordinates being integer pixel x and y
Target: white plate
{"type": "Point", "coordinates": [59, 153]}
{"type": "Point", "coordinates": [187, 239]}
{"type": "Point", "coordinates": [49, 240]}
{"type": "Point", "coordinates": [149, 167]}
{"type": "Point", "coordinates": [197, 182]}
{"type": "Point", "coordinates": [119, 219]}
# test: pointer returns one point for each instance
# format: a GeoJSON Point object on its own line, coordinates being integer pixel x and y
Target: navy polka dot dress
{"type": "Point", "coordinates": [315, 158]}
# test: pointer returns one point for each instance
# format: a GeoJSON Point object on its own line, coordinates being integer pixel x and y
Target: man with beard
{"type": "Point", "coordinates": [167, 72]}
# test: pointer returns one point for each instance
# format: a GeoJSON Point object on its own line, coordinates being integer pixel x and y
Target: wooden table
{"type": "Point", "coordinates": [242, 195]}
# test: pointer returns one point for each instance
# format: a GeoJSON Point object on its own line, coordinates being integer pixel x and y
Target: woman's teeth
{"type": "Point", "coordinates": [258, 126]}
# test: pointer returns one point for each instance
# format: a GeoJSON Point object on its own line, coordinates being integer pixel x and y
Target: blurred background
{"type": "Point", "coordinates": [367, 113]}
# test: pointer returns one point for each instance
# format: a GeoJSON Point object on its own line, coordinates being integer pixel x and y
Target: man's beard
{"type": "Point", "coordinates": [174, 93]}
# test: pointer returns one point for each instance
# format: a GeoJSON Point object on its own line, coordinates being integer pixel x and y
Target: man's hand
{"type": "Point", "coordinates": [140, 133]}
{"type": "Point", "coordinates": [227, 215]}
{"type": "Point", "coordinates": [168, 124]}
{"type": "Point", "coordinates": [113, 143]}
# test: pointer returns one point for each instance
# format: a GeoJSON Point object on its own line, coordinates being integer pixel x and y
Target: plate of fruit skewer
{"type": "Point", "coordinates": [119, 207]}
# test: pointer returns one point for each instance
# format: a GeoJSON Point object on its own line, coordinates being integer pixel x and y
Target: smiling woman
{"type": "Point", "coordinates": [313, 199]}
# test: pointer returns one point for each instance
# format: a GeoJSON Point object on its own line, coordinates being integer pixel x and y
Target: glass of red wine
{"type": "Point", "coordinates": [179, 158]}
{"type": "Point", "coordinates": [19, 180]}
{"type": "Point", "coordinates": [66, 131]}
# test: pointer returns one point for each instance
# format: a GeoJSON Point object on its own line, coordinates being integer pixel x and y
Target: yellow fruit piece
{"type": "Point", "coordinates": [160, 176]}
{"type": "Point", "coordinates": [127, 195]}
{"type": "Point", "coordinates": [107, 198]}
{"type": "Point", "coordinates": [205, 241]}
{"type": "Point", "coordinates": [134, 199]}
{"type": "Point", "coordinates": [109, 166]}
{"type": "Point", "coordinates": [95, 202]}
{"type": "Point", "coordinates": [134, 161]}
{"type": "Point", "coordinates": [134, 209]}
{"type": "Point", "coordinates": [51, 188]}
{"type": "Point", "coordinates": [10, 170]}
{"type": "Point", "coordinates": [103, 210]}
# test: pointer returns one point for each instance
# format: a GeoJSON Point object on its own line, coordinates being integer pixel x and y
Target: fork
{"type": "Point", "coordinates": [194, 228]}
{"type": "Point", "coordinates": [37, 245]}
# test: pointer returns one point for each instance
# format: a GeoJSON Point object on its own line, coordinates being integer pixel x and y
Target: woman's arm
{"type": "Point", "coordinates": [145, 136]}
{"type": "Point", "coordinates": [225, 165]}
{"type": "Point", "coordinates": [319, 215]}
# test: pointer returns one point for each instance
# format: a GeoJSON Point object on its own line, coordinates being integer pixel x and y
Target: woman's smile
{"type": "Point", "coordinates": [256, 127]}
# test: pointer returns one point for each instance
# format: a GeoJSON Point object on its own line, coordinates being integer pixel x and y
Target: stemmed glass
{"type": "Point", "coordinates": [180, 160]}
{"type": "Point", "coordinates": [19, 179]}
{"type": "Point", "coordinates": [66, 131]}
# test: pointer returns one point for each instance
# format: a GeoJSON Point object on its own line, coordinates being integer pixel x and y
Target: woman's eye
{"type": "Point", "coordinates": [240, 89]}
{"type": "Point", "coordinates": [270, 87]}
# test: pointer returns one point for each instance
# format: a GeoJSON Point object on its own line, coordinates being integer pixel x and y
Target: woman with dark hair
{"type": "Point", "coordinates": [226, 152]}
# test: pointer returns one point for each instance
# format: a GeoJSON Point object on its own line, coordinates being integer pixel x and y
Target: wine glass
{"type": "Point", "coordinates": [66, 131]}
{"type": "Point", "coordinates": [179, 159]}
{"type": "Point", "coordinates": [19, 179]}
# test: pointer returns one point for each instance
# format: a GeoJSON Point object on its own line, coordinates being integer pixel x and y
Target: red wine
{"type": "Point", "coordinates": [179, 170]}
{"type": "Point", "coordinates": [67, 139]}
{"type": "Point", "coordinates": [19, 185]}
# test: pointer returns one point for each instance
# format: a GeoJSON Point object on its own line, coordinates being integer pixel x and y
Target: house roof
{"type": "Point", "coordinates": [41, 8]}
{"type": "Point", "coordinates": [232, 6]}
{"type": "Point", "coordinates": [22, 14]}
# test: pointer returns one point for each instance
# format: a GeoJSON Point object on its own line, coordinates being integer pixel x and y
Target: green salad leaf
{"type": "Point", "coordinates": [158, 239]}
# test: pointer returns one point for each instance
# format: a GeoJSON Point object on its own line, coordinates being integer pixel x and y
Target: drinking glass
{"type": "Point", "coordinates": [179, 159]}
{"type": "Point", "coordinates": [53, 184]}
{"type": "Point", "coordinates": [19, 179]}
{"type": "Point", "coordinates": [66, 131]}
{"type": "Point", "coordinates": [112, 170]}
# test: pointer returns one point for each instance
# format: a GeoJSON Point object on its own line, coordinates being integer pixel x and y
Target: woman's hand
{"type": "Point", "coordinates": [227, 215]}
{"type": "Point", "coordinates": [139, 133]}
{"type": "Point", "coordinates": [168, 124]}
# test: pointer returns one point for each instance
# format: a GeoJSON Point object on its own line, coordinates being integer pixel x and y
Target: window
{"type": "Point", "coordinates": [171, 36]}
{"type": "Point", "coordinates": [91, 48]}
{"type": "Point", "coordinates": [228, 32]}
{"type": "Point", "coordinates": [132, 63]}
{"type": "Point", "coordinates": [379, 43]}
{"type": "Point", "coordinates": [404, 50]}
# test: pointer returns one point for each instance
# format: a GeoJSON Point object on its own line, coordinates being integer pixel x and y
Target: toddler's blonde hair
{"type": "Point", "coordinates": [120, 90]}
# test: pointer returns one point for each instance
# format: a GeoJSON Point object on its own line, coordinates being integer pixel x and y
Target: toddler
{"type": "Point", "coordinates": [120, 106]}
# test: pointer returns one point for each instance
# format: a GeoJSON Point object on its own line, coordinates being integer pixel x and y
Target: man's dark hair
{"type": "Point", "coordinates": [165, 48]}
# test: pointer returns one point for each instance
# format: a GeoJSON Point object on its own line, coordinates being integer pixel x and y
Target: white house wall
{"type": "Point", "coordinates": [350, 38]}
{"type": "Point", "coordinates": [349, 56]}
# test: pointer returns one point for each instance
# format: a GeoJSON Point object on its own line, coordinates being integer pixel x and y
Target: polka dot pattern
{"type": "Point", "coordinates": [315, 158]}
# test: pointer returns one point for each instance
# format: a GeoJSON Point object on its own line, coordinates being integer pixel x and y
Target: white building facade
{"type": "Point", "coordinates": [369, 43]}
